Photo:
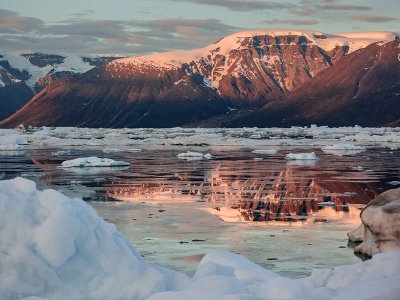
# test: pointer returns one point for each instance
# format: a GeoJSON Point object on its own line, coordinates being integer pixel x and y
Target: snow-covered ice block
{"type": "Point", "coordinates": [301, 156]}
{"type": "Point", "coordinates": [92, 162]}
{"type": "Point", "coordinates": [380, 225]}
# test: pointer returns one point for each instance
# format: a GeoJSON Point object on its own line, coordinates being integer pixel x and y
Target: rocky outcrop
{"type": "Point", "coordinates": [380, 228]}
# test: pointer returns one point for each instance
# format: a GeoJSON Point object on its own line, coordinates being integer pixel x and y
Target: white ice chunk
{"type": "Point", "coordinates": [92, 162]}
{"type": "Point", "coordinates": [189, 155]}
{"type": "Point", "coordinates": [301, 156]}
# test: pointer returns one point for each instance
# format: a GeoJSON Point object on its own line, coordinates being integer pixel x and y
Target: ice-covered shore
{"type": "Point", "coordinates": [56, 247]}
{"type": "Point", "coordinates": [344, 140]}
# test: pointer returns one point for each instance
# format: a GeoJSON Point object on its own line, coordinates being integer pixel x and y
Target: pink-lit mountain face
{"type": "Point", "coordinates": [241, 72]}
{"type": "Point", "coordinates": [362, 88]}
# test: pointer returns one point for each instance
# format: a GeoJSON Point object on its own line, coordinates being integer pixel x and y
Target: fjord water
{"type": "Point", "coordinates": [288, 216]}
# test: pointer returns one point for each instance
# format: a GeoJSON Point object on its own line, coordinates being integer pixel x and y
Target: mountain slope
{"type": "Point", "coordinates": [361, 89]}
{"type": "Point", "coordinates": [23, 75]}
{"type": "Point", "coordinates": [244, 70]}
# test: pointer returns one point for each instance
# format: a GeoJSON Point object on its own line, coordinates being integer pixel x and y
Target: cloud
{"type": "Point", "coordinates": [304, 7]}
{"type": "Point", "coordinates": [83, 13]}
{"type": "Point", "coordinates": [316, 7]}
{"type": "Point", "coordinates": [372, 18]}
{"type": "Point", "coordinates": [12, 22]}
{"type": "Point", "coordinates": [293, 21]}
{"type": "Point", "coordinates": [108, 36]}
{"type": "Point", "coordinates": [238, 5]}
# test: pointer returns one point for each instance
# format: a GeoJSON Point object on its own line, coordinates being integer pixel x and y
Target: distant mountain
{"type": "Point", "coordinates": [362, 88]}
{"type": "Point", "coordinates": [24, 75]}
{"type": "Point", "coordinates": [240, 72]}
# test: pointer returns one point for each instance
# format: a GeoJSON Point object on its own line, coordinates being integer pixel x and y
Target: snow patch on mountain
{"type": "Point", "coordinates": [71, 63]}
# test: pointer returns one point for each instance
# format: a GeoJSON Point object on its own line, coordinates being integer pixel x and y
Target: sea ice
{"type": "Point", "coordinates": [92, 162]}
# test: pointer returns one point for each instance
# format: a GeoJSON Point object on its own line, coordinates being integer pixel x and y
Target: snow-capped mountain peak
{"type": "Point", "coordinates": [273, 51]}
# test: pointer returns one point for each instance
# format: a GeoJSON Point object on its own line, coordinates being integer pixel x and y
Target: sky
{"type": "Point", "coordinates": [135, 27]}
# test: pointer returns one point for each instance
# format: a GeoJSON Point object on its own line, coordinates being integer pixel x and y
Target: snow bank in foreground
{"type": "Point", "coordinates": [92, 162]}
{"type": "Point", "coordinates": [56, 247]}
{"type": "Point", "coordinates": [59, 248]}
{"type": "Point", "coordinates": [193, 155]}
{"type": "Point", "coordinates": [301, 156]}
{"type": "Point", "coordinates": [380, 227]}
{"type": "Point", "coordinates": [343, 149]}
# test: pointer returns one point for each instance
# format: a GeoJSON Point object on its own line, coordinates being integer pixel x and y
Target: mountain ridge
{"type": "Point", "coordinates": [24, 74]}
{"type": "Point", "coordinates": [241, 71]}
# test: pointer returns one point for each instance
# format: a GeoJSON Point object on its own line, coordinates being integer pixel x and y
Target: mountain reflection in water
{"type": "Point", "coordinates": [256, 191]}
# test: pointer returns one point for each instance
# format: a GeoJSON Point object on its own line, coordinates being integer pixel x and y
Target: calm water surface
{"type": "Point", "coordinates": [287, 216]}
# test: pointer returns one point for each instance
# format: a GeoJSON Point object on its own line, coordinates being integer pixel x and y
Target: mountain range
{"type": "Point", "coordinates": [256, 78]}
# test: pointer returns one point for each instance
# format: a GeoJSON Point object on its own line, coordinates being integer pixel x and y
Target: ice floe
{"type": "Point", "coordinates": [189, 155]}
{"type": "Point", "coordinates": [265, 151]}
{"type": "Point", "coordinates": [92, 161]}
{"type": "Point", "coordinates": [55, 247]}
{"type": "Point", "coordinates": [301, 156]}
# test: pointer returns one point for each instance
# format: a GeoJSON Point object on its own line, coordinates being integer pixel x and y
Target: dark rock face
{"type": "Point", "coordinates": [12, 97]}
{"type": "Point", "coordinates": [142, 92]}
{"type": "Point", "coordinates": [362, 88]}
{"type": "Point", "coordinates": [42, 60]}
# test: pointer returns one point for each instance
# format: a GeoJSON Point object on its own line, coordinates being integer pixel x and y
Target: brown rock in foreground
{"type": "Point", "coordinates": [380, 228]}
